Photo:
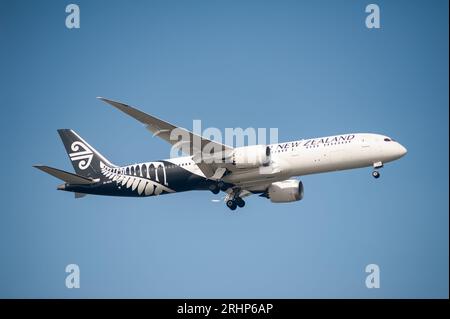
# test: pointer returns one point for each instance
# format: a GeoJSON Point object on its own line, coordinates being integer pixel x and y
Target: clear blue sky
{"type": "Point", "coordinates": [310, 68]}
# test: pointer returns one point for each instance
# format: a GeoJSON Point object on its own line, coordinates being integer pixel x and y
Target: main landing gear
{"type": "Point", "coordinates": [231, 204]}
{"type": "Point", "coordinates": [234, 203]}
{"type": "Point", "coordinates": [214, 189]}
{"type": "Point", "coordinates": [217, 187]}
{"type": "Point", "coordinates": [233, 200]}
{"type": "Point", "coordinates": [376, 173]}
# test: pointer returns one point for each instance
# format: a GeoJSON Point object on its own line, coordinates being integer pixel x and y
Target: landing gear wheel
{"type": "Point", "coordinates": [240, 202]}
{"type": "Point", "coordinates": [376, 174]}
{"type": "Point", "coordinates": [222, 186]}
{"type": "Point", "coordinates": [231, 204]}
{"type": "Point", "coordinates": [214, 189]}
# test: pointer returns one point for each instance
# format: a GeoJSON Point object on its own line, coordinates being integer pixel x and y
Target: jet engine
{"type": "Point", "coordinates": [290, 190]}
{"type": "Point", "coordinates": [251, 156]}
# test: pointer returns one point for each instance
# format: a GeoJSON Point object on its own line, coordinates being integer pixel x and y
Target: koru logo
{"type": "Point", "coordinates": [82, 154]}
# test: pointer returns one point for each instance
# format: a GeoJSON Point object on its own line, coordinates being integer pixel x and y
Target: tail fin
{"type": "Point", "coordinates": [85, 159]}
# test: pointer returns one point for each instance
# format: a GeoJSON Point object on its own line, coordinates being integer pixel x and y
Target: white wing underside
{"type": "Point", "coordinates": [193, 144]}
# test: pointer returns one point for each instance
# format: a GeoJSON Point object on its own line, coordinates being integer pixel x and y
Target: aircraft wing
{"type": "Point", "coordinates": [180, 138]}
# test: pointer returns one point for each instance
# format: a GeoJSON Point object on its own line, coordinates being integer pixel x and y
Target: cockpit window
{"type": "Point", "coordinates": [387, 139]}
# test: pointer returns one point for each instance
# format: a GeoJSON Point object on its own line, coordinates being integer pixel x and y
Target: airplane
{"type": "Point", "coordinates": [266, 170]}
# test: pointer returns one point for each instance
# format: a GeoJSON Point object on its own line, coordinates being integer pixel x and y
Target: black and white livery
{"type": "Point", "coordinates": [267, 170]}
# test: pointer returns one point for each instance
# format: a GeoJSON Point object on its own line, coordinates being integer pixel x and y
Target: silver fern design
{"type": "Point", "coordinates": [82, 153]}
{"type": "Point", "coordinates": [137, 178]}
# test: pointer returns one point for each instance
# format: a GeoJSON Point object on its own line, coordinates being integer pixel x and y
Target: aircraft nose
{"type": "Point", "coordinates": [402, 150]}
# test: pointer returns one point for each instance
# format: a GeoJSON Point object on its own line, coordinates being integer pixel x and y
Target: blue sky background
{"type": "Point", "coordinates": [310, 68]}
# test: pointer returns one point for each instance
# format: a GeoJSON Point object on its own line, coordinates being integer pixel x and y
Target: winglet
{"type": "Point", "coordinates": [104, 99]}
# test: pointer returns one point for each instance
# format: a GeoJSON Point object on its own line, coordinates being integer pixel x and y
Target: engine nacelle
{"type": "Point", "coordinates": [290, 190]}
{"type": "Point", "coordinates": [251, 156]}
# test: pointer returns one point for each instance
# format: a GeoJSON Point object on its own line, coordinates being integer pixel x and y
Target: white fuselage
{"type": "Point", "coordinates": [312, 156]}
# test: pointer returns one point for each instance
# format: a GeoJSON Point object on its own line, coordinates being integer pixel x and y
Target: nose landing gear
{"type": "Point", "coordinates": [376, 166]}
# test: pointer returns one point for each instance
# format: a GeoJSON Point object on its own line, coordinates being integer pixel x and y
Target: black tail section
{"type": "Point", "coordinates": [85, 159]}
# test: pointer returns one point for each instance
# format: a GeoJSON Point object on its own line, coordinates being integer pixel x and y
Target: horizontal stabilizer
{"type": "Point", "coordinates": [67, 177]}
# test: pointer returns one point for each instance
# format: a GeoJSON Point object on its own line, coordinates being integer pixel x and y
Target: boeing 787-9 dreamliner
{"type": "Point", "coordinates": [267, 170]}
